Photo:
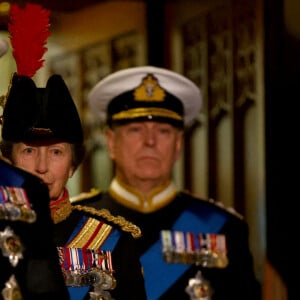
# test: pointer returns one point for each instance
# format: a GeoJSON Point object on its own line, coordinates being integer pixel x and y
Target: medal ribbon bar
{"type": "Point", "coordinates": [82, 267]}
{"type": "Point", "coordinates": [207, 250]}
{"type": "Point", "coordinates": [15, 206]}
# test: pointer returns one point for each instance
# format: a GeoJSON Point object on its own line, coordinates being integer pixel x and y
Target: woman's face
{"type": "Point", "coordinates": [52, 162]}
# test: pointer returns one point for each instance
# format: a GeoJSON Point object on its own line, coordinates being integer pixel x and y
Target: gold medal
{"type": "Point", "coordinates": [109, 282]}
{"type": "Point", "coordinates": [27, 215]}
{"type": "Point", "coordinates": [100, 295]}
{"type": "Point", "coordinates": [93, 277]}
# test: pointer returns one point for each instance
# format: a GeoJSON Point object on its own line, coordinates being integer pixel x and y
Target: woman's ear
{"type": "Point", "coordinates": [72, 171]}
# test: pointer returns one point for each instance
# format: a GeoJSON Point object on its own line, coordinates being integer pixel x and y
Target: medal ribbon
{"type": "Point", "coordinates": [83, 268]}
{"type": "Point", "coordinates": [82, 260]}
{"type": "Point", "coordinates": [208, 250]}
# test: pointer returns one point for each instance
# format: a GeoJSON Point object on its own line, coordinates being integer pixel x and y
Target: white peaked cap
{"type": "Point", "coordinates": [127, 80]}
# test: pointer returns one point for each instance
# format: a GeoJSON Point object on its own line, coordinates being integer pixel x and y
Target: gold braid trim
{"type": "Point", "coordinates": [118, 220]}
{"type": "Point", "coordinates": [61, 211]}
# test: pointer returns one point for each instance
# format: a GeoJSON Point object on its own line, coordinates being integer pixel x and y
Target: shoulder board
{"type": "Point", "coordinates": [85, 195]}
{"type": "Point", "coordinates": [105, 214]}
{"type": "Point", "coordinates": [219, 204]}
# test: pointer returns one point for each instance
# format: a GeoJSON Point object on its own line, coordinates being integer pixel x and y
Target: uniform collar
{"type": "Point", "coordinates": [133, 199]}
{"type": "Point", "coordinates": [61, 208]}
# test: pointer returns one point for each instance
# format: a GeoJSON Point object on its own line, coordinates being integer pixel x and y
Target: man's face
{"type": "Point", "coordinates": [144, 151]}
{"type": "Point", "coordinates": [52, 162]}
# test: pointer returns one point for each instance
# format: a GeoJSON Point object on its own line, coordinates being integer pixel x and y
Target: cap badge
{"type": "Point", "coordinates": [149, 90]}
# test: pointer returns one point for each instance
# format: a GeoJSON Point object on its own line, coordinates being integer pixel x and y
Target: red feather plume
{"type": "Point", "coordinates": [29, 29]}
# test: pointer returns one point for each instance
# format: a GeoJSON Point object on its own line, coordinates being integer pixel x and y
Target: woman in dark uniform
{"type": "Point", "coordinates": [96, 249]}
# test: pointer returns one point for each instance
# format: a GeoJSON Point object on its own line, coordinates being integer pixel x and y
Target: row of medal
{"type": "Point", "coordinates": [207, 250]}
{"type": "Point", "coordinates": [15, 206]}
{"type": "Point", "coordinates": [88, 267]}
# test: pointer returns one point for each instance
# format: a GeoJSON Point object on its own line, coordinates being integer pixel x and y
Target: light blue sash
{"type": "Point", "coordinates": [159, 275]}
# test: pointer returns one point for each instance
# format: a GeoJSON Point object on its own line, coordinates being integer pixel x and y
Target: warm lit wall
{"type": "Point", "coordinates": [95, 23]}
{"type": "Point", "coordinates": [81, 29]}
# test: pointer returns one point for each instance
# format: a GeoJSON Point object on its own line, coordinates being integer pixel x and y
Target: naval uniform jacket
{"type": "Point", "coordinates": [37, 271]}
{"type": "Point", "coordinates": [125, 260]}
{"type": "Point", "coordinates": [235, 282]}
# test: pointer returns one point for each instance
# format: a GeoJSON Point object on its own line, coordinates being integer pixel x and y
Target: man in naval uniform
{"type": "Point", "coordinates": [146, 110]}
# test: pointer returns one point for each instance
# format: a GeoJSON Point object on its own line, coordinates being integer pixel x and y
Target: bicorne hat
{"type": "Point", "coordinates": [33, 113]}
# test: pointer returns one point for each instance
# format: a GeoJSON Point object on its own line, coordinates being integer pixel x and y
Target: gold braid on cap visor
{"type": "Point", "coordinates": [144, 112]}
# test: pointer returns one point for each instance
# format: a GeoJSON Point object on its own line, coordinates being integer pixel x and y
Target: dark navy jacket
{"type": "Point", "coordinates": [235, 282]}
{"type": "Point", "coordinates": [38, 273]}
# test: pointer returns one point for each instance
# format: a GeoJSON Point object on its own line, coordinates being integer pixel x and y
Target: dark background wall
{"type": "Point", "coordinates": [282, 156]}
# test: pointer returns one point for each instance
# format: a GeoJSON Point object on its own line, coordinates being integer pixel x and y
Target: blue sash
{"type": "Point", "coordinates": [194, 219]}
{"type": "Point", "coordinates": [78, 293]}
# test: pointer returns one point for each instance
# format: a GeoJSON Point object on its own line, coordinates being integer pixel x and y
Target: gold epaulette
{"type": "Point", "coordinates": [229, 209]}
{"type": "Point", "coordinates": [84, 196]}
{"type": "Point", "coordinates": [117, 220]}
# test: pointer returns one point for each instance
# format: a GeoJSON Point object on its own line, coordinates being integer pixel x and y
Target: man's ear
{"type": "Point", "coordinates": [110, 140]}
{"type": "Point", "coordinates": [179, 144]}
